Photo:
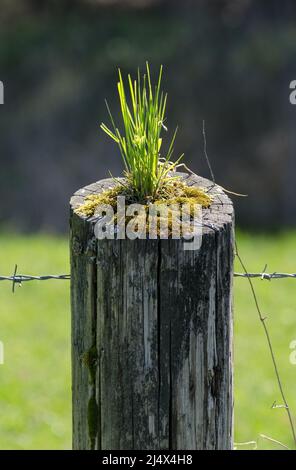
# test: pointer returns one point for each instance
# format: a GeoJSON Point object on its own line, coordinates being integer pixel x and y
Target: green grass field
{"type": "Point", "coordinates": [35, 393]}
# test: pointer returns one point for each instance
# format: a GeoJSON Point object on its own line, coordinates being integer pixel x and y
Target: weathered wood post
{"type": "Point", "coordinates": [152, 335]}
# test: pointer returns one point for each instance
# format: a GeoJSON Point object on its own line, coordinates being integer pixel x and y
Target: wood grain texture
{"type": "Point", "coordinates": [152, 335]}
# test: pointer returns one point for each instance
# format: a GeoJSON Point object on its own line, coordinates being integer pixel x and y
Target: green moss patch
{"type": "Point", "coordinates": [174, 194]}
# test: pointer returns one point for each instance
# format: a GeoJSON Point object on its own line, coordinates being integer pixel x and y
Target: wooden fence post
{"type": "Point", "coordinates": [152, 335]}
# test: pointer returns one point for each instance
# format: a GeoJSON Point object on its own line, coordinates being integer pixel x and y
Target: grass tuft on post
{"type": "Point", "coordinates": [143, 117]}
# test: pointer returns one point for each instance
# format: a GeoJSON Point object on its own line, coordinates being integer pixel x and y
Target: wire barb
{"type": "Point", "coordinates": [13, 278]}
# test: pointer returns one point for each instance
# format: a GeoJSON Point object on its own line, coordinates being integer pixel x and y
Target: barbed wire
{"type": "Point", "coordinates": [20, 278]}
{"type": "Point", "coordinates": [267, 276]}
{"type": "Point", "coordinates": [24, 277]}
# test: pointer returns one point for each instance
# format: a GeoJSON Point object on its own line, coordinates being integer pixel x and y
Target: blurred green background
{"type": "Point", "coordinates": [35, 392]}
{"type": "Point", "coordinates": [229, 62]}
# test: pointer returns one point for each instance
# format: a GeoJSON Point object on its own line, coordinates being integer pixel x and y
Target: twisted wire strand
{"type": "Point", "coordinates": [19, 278]}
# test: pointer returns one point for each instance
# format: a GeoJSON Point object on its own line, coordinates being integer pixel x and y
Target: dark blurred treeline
{"type": "Point", "coordinates": [229, 62]}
